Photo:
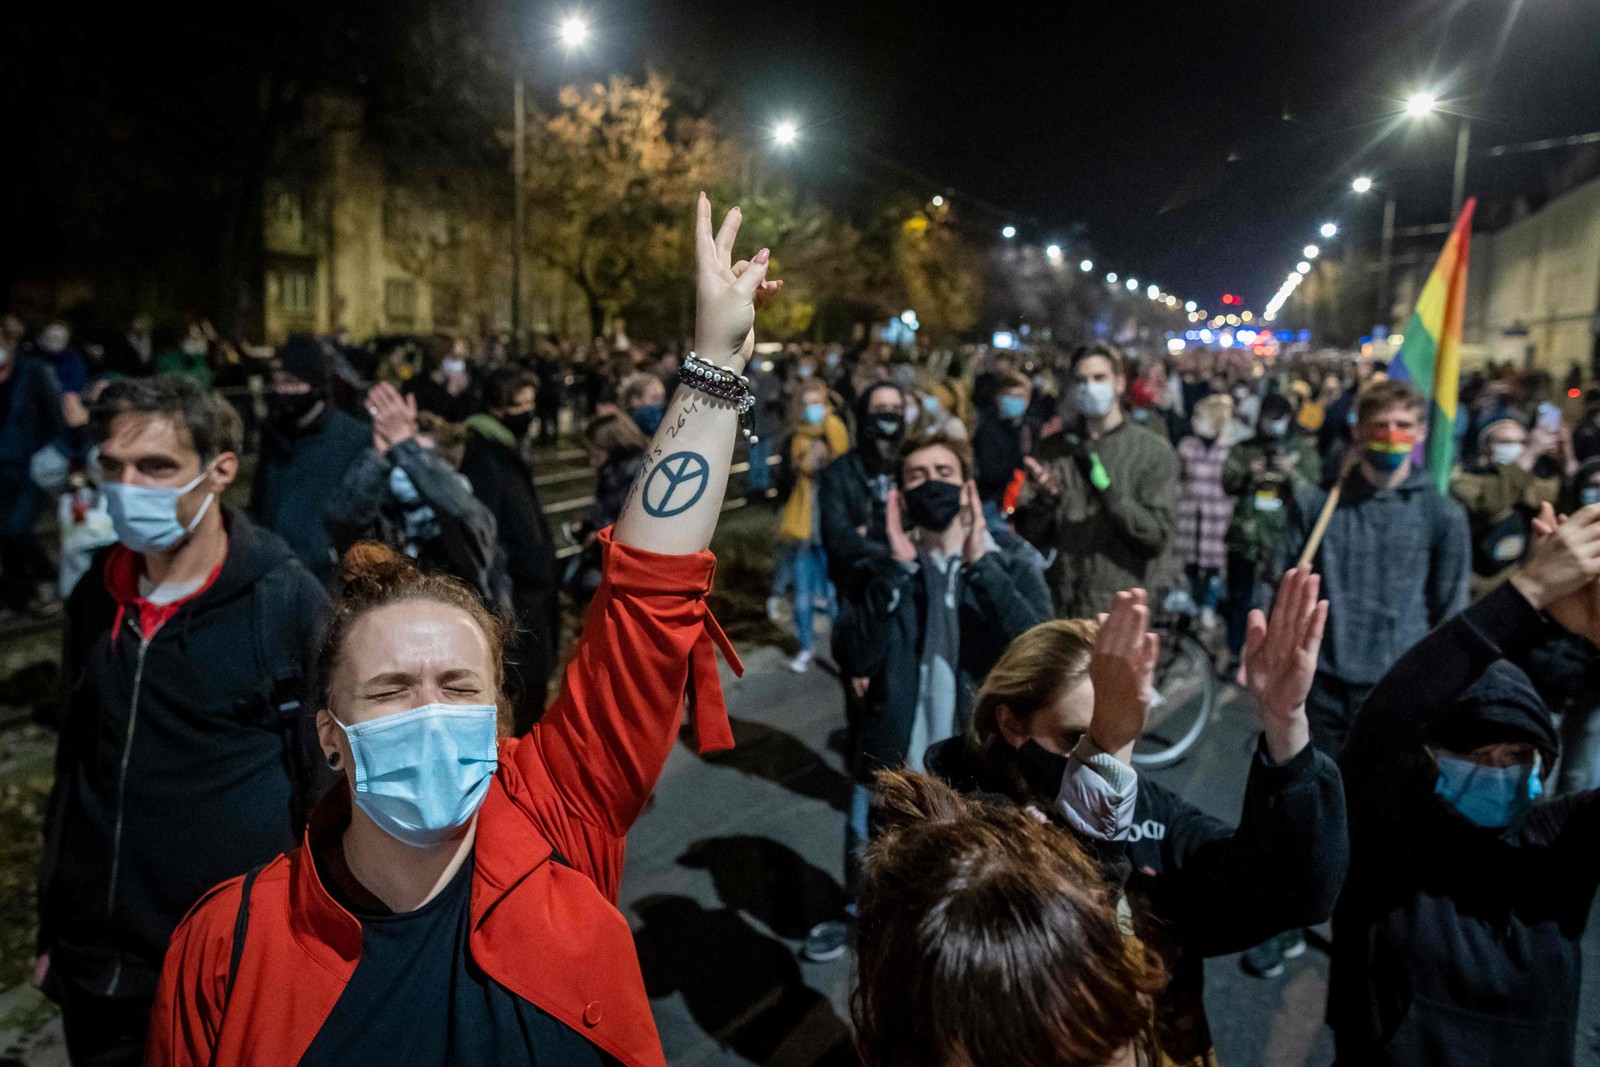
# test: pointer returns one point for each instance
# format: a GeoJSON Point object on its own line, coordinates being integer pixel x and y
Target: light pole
{"type": "Point", "coordinates": [1363, 184]}
{"type": "Point", "coordinates": [1422, 104]}
{"type": "Point", "coordinates": [574, 31]}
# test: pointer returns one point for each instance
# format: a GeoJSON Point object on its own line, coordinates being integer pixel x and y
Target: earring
{"type": "Point", "coordinates": [333, 760]}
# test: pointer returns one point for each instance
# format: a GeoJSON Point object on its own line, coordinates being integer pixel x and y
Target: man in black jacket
{"type": "Point", "coordinates": [933, 616]}
{"type": "Point", "coordinates": [1457, 937]}
{"type": "Point", "coordinates": [854, 489]}
{"type": "Point", "coordinates": [306, 450]}
{"type": "Point", "coordinates": [502, 479]}
{"type": "Point", "coordinates": [185, 757]}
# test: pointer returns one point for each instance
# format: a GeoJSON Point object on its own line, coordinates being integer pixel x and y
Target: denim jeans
{"type": "Point", "coordinates": [855, 841]}
{"type": "Point", "coordinates": [810, 566]}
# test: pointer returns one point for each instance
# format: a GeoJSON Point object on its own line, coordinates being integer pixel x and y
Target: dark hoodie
{"type": "Point", "coordinates": [184, 759]}
{"type": "Point", "coordinates": [1455, 944]}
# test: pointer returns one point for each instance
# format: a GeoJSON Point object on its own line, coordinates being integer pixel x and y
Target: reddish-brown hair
{"type": "Point", "coordinates": [985, 937]}
{"type": "Point", "coordinates": [959, 447]}
{"type": "Point", "coordinates": [374, 576]}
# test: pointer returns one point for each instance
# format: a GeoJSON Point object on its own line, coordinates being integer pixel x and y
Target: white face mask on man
{"type": "Point", "coordinates": [1094, 399]}
{"type": "Point", "coordinates": [146, 517]}
{"type": "Point", "coordinates": [1504, 452]}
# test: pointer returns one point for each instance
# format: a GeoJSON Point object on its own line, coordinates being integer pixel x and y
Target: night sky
{"type": "Point", "coordinates": [1199, 144]}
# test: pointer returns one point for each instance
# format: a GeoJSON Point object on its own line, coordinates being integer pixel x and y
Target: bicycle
{"type": "Point", "coordinates": [1186, 694]}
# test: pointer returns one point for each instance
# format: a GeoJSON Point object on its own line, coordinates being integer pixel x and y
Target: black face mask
{"type": "Point", "coordinates": [1042, 769]}
{"type": "Point", "coordinates": [933, 505]}
{"type": "Point", "coordinates": [519, 425]}
{"type": "Point", "coordinates": [884, 425]}
{"type": "Point", "coordinates": [287, 409]}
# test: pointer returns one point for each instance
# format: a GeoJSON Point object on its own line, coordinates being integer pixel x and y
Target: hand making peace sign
{"type": "Point", "coordinates": [727, 292]}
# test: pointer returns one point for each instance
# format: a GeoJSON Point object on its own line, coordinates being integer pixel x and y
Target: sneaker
{"type": "Point", "coordinates": [801, 662]}
{"type": "Point", "coordinates": [1266, 959]}
{"type": "Point", "coordinates": [826, 941]}
{"type": "Point", "coordinates": [775, 609]}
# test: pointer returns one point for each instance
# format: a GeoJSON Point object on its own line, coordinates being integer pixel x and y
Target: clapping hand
{"type": "Point", "coordinates": [1559, 576]}
{"type": "Point", "coordinates": [1280, 661]}
{"type": "Point", "coordinates": [900, 546]}
{"type": "Point", "coordinates": [977, 539]}
{"type": "Point", "coordinates": [394, 417]}
{"type": "Point", "coordinates": [725, 304]}
{"type": "Point", "coordinates": [1122, 669]}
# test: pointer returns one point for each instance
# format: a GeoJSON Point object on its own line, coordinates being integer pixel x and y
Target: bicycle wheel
{"type": "Point", "coordinates": [1186, 688]}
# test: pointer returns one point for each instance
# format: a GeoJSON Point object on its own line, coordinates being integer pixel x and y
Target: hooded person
{"type": "Point", "coordinates": [307, 450]}
{"type": "Point", "coordinates": [185, 755]}
{"type": "Point", "coordinates": [854, 489]}
{"type": "Point", "coordinates": [1456, 939]}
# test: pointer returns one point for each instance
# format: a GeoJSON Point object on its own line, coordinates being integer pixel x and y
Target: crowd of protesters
{"type": "Point", "coordinates": [311, 806]}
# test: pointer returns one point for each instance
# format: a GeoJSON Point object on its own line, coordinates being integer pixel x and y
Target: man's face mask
{"type": "Point", "coordinates": [885, 424]}
{"type": "Point", "coordinates": [288, 409]}
{"type": "Point", "coordinates": [146, 517]}
{"type": "Point", "coordinates": [1491, 797]}
{"type": "Point", "coordinates": [933, 505]}
{"type": "Point", "coordinates": [1387, 450]}
{"type": "Point", "coordinates": [1094, 399]}
{"type": "Point", "coordinates": [1502, 453]}
{"type": "Point", "coordinates": [1275, 427]}
{"type": "Point", "coordinates": [421, 774]}
{"type": "Point", "coordinates": [1013, 407]}
{"type": "Point", "coordinates": [648, 418]}
{"type": "Point", "coordinates": [520, 423]}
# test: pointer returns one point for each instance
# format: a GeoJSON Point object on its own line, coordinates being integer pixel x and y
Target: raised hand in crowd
{"type": "Point", "coordinates": [977, 540]}
{"type": "Point", "coordinates": [900, 546]}
{"type": "Point", "coordinates": [1042, 475]}
{"type": "Point", "coordinates": [1559, 576]}
{"type": "Point", "coordinates": [1280, 661]}
{"type": "Point", "coordinates": [394, 417]}
{"type": "Point", "coordinates": [1122, 669]}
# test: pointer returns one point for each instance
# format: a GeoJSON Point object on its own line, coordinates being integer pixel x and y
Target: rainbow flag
{"type": "Point", "coordinates": [1430, 355]}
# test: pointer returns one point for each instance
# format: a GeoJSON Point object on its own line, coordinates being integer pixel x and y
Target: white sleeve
{"type": "Point", "coordinates": [1097, 792]}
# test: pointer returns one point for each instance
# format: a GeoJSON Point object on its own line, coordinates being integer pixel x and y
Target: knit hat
{"type": "Point", "coordinates": [306, 358]}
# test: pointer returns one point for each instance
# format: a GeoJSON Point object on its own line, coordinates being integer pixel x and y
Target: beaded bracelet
{"type": "Point", "coordinates": [724, 383]}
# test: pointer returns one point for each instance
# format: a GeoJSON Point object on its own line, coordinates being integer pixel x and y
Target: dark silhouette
{"type": "Point", "coordinates": [768, 880]}
{"type": "Point", "coordinates": [743, 989]}
{"type": "Point", "coordinates": [770, 753]}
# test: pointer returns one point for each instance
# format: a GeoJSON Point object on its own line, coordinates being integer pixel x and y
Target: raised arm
{"type": "Point", "coordinates": [674, 505]}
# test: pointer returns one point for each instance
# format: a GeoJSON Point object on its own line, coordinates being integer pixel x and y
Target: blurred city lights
{"type": "Point", "coordinates": [1311, 251]}
{"type": "Point", "coordinates": [1153, 291]}
{"type": "Point", "coordinates": [1053, 251]}
{"type": "Point", "coordinates": [1361, 184]}
{"type": "Point", "coordinates": [1086, 266]}
{"type": "Point", "coordinates": [1245, 316]}
{"type": "Point", "coordinates": [1176, 345]}
{"type": "Point", "coordinates": [1008, 232]}
{"type": "Point", "coordinates": [786, 132]}
{"type": "Point", "coordinates": [1303, 267]}
{"type": "Point", "coordinates": [1420, 103]}
{"type": "Point", "coordinates": [1133, 285]}
{"type": "Point", "coordinates": [938, 201]}
{"type": "Point", "coordinates": [1329, 229]}
{"type": "Point", "coordinates": [1112, 277]}
{"type": "Point", "coordinates": [1190, 306]}
{"type": "Point", "coordinates": [574, 30]}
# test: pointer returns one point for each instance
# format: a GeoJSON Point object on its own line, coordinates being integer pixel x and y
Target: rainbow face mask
{"type": "Point", "coordinates": [1387, 450]}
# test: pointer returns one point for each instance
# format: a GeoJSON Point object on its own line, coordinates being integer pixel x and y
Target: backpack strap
{"type": "Point", "coordinates": [241, 927]}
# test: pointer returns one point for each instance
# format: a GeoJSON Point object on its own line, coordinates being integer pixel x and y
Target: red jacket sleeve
{"type": "Point", "coordinates": [648, 641]}
{"type": "Point", "coordinates": [194, 978]}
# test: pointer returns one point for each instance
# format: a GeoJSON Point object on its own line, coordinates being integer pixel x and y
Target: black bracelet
{"type": "Point", "coordinates": [724, 383]}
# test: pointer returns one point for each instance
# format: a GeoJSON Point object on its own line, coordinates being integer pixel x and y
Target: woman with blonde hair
{"type": "Point", "coordinates": [1054, 728]}
{"type": "Point", "coordinates": [817, 437]}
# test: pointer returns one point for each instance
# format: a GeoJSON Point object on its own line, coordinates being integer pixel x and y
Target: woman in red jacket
{"type": "Point", "coordinates": [456, 902]}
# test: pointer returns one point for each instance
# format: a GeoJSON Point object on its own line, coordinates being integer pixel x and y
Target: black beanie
{"type": "Point", "coordinates": [308, 359]}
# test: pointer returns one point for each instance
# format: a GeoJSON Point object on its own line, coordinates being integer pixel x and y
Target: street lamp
{"type": "Point", "coordinates": [1153, 292]}
{"type": "Point", "coordinates": [1329, 229]}
{"type": "Point", "coordinates": [1086, 266]}
{"type": "Point", "coordinates": [1191, 307]}
{"type": "Point", "coordinates": [785, 133]}
{"type": "Point", "coordinates": [1362, 184]}
{"type": "Point", "coordinates": [1311, 251]}
{"type": "Point", "coordinates": [1303, 267]}
{"type": "Point", "coordinates": [1133, 285]}
{"type": "Point", "coordinates": [1419, 104]}
{"type": "Point", "coordinates": [1008, 232]}
{"type": "Point", "coordinates": [1053, 251]}
{"type": "Point", "coordinates": [574, 30]}
{"type": "Point", "coordinates": [1111, 277]}
{"type": "Point", "coordinates": [938, 201]}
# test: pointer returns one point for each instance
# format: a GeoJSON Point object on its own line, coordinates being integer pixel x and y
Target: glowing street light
{"type": "Point", "coordinates": [1133, 285]}
{"type": "Point", "coordinates": [574, 30]}
{"type": "Point", "coordinates": [786, 132]}
{"type": "Point", "coordinates": [1303, 267]}
{"type": "Point", "coordinates": [1362, 184]}
{"type": "Point", "coordinates": [1086, 266]}
{"type": "Point", "coordinates": [1191, 307]}
{"type": "Point", "coordinates": [1311, 251]}
{"type": "Point", "coordinates": [1153, 292]}
{"type": "Point", "coordinates": [1329, 229]}
{"type": "Point", "coordinates": [1008, 232]}
{"type": "Point", "coordinates": [938, 201]}
{"type": "Point", "coordinates": [1421, 103]}
{"type": "Point", "coordinates": [1053, 251]}
{"type": "Point", "coordinates": [1111, 277]}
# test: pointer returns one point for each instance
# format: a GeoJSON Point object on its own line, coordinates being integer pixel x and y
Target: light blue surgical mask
{"type": "Point", "coordinates": [1491, 797]}
{"type": "Point", "coordinates": [815, 413]}
{"type": "Point", "coordinates": [1589, 494]}
{"type": "Point", "coordinates": [146, 517]}
{"type": "Point", "coordinates": [930, 404]}
{"type": "Point", "coordinates": [402, 487]}
{"type": "Point", "coordinates": [1013, 407]}
{"type": "Point", "coordinates": [421, 774]}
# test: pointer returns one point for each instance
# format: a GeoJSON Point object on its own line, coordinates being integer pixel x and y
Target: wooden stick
{"type": "Point", "coordinates": [1315, 540]}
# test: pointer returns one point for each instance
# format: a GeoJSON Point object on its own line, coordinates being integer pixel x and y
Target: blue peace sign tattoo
{"type": "Point", "coordinates": [676, 485]}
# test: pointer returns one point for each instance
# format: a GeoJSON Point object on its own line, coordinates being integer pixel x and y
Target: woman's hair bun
{"type": "Point", "coordinates": [371, 567]}
{"type": "Point", "coordinates": [902, 800]}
